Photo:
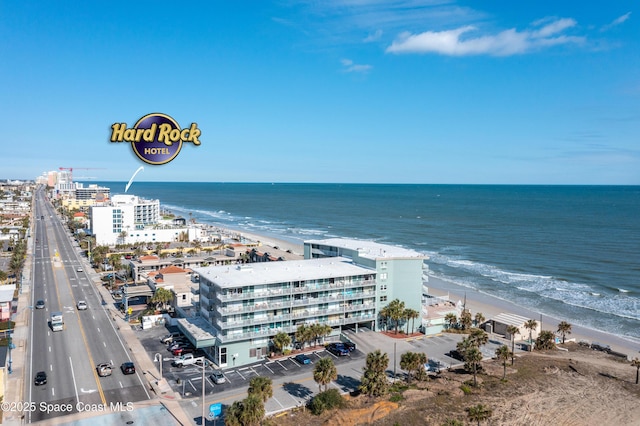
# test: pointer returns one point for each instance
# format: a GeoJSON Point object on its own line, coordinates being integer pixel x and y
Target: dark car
{"type": "Point", "coordinates": [350, 346]}
{"type": "Point", "coordinates": [303, 359]}
{"type": "Point", "coordinates": [455, 355]}
{"type": "Point", "coordinates": [40, 304]}
{"type": "Point", "coordinates": [128, 368]}
{"type": "Point", "coordinates": [338, 349]}
{"type": "Point", "coordinates": [40, 379]}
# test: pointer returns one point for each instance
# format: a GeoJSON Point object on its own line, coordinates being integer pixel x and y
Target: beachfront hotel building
{"type": "Point", "coordinates": [399, 272]}
{"type": "Point", "coordinates": [243, 307]}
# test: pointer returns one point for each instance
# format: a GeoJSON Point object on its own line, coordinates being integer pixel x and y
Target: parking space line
{"type": "Point", "coordinates": [265, 366]}
{"type": "Point", "coordinates": [194, 388]}
{"type": "Point", "coordinates": [282, 365]}
{"type": "Point", "coordinates": [251, 368]}
{"type": "Point", "coordinates": [240, 374]}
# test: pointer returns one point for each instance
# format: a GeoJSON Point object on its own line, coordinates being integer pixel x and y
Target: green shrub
{"type": "Point", "coordinates": [466, 389]}
{"type": "Point", "coordinates": [396, 397]}
{"type": "Point", "coordinates": [286, 352]}
{"type": "Point", "coordinates": [326, 401]}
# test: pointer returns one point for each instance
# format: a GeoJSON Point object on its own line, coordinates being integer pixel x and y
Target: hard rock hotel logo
{"type": "Point", "coordinates": [156, 138]}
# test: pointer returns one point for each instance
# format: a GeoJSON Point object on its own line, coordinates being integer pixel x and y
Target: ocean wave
{"type": "Point", "coordinates": [538, 288]}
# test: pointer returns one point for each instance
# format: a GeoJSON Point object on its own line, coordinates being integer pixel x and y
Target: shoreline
{"type": "Point", "coordinates": [491, 305]}
{"type": "Point", "coordinates": [477, 301]}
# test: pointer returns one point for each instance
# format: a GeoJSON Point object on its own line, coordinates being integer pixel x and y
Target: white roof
{"type": "Point", "coordinates": [284, 271]}
{"type": "Point", "coordinates": [510, 319]}
{"type": "Point", "coordinates": [6, 292]}
{"type": "Point", "coordinates": [369, 249]}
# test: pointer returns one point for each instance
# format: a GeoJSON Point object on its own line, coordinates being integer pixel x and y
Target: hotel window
{"type": "Point", "coordinates": [383, 276]}
{"type": "Point", "coordinates": [383, 287]}
{"type": "Point", "coordinates": [383, 298]}
{"type": "Point", "coordinates": [223, 356]}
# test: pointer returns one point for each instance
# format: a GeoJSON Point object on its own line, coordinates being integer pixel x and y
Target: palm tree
{"type": "Point", "coordinates": [396, 312]}
{"type": "Point", "coordinates": [479, 318]}
{"type": "Point", "coordinates": [412, 362]}
{"type": "Point", "coordinates": [324, 372]}
{"type": "Point", "coordinates": [478, 337]}
{"type": "Point", "coordinates": [252, 411]}
{"type": "Point", "coordinates": [512, 330]}
{"type": "Point", "coordinates": [479, 413]}
{"type": "Point", "coordinates": [465, 319]}
{"type": "Point", "coordinates": [374, 380]}
{"type": "Point", "coordinates": [303, 334]}
{"type": "Point", "coordinates": [233, 414]}
{"type": "Point", "coordinates": [546, 340]}
{"type": "Point", "coordinates": [318, 330]}
{"type": "Point", "coordinates": [385, 316]}
{"type": "Point", "coordinates": [411, 314]}
{"type": "Point", "coordinates": [473, 357]}
{"type": "Point", "coordinates": [564, 328]}
{"type": "Point", "coordinates": [262, 387]}
{"type": "Point", "coordinates": [281, 340]}
{"type": "Point", "coordinates": [503, 353]}
{"type": "Point", "coordinates": [636, 363]}
{"type": "Point", "coordinates": [451, 318]}
{"type": "Point", "coordinates": [162, 296]}
{"type": "Point", "coordinates": [531, 325]}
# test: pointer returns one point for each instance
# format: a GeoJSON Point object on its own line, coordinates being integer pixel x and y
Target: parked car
{"type": "Point", "coordinates": [40, 379]}
{"type": "Point", "coordinates": [183, 350]}
{"type": "Point", "coordinates": [601, 347]}
{"type": "Point", "coordinates": [303, 359]}
{"type": "Point", "coordinates": [455, 355]}
{"type": "Point", "coordinates": [82, 305]}
{"type": "Point", "coordinates": [350, 346]}
{"type": "Point", "coordinates": [128, 368]}
{"type": "Point", "coordinates": [104, 369]}
{"type": "Point", "coordinates": [79, 269]}
{"type": "Point", "coordinates": [337, 349]}
{"type": "Point", "coordinates": [217, 377]}
{"type": "Point", "coordinates": [169, 338]}
{"type": "Point", "coordinates": [40, 304]}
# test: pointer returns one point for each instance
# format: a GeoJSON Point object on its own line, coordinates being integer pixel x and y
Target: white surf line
{"type": "Point", "coordinates": [73, 375]}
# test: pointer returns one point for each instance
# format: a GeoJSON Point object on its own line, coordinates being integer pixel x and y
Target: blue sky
{"type": "Point", "coordinates": [399, 91]}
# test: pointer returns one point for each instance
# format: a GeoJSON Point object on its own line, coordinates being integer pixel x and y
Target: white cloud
{"type": "Point", "coordinates": [373, 36]}
{"type": "Point", "coordinates": [619, 20]}
{"type": "Point", "coordinates": [459, 42]}
{"type": "Point", "coordinates": [350, 66]}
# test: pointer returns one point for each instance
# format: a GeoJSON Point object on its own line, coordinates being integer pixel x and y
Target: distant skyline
{"type": "Point", "coordinates": [352, 91]}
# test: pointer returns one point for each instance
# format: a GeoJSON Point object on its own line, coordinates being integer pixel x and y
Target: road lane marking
{"type": "Point", "coordinates": [73, 375]}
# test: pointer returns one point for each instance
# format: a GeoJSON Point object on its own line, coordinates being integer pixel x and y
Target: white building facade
{"type": "Point", "coordinates": [245, 306]}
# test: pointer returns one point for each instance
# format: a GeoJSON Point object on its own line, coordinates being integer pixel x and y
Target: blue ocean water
{"type": "Point", "coordinates": [568, 251]}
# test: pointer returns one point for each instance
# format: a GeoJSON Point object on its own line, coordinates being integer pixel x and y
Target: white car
{"type": "Point", "coordinates": [82, 305]}
{"type": "Point", "coordinates": [79, 269]}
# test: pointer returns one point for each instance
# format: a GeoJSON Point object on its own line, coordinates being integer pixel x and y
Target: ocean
{"type": "Point", "coordinates": [572, 252]}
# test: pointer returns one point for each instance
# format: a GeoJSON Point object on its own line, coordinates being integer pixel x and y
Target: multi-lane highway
{"type": "Point", "coordinates": [69, 357]}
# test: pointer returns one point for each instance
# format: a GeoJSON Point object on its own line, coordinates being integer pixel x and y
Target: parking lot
{"type": "Point", "coordinates": [187, 381]}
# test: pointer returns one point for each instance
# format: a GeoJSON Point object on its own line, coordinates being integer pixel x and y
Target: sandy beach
{"type": "Point", "coordinates": [480, 302]}
{"type": "Point", "coordinates": [491, 306]}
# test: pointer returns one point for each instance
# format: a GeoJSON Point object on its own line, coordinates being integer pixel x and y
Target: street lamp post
{"type": "Point", "coordinates": [204, 366]}
{"type": "Point", "coordinates": [158, 357]}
